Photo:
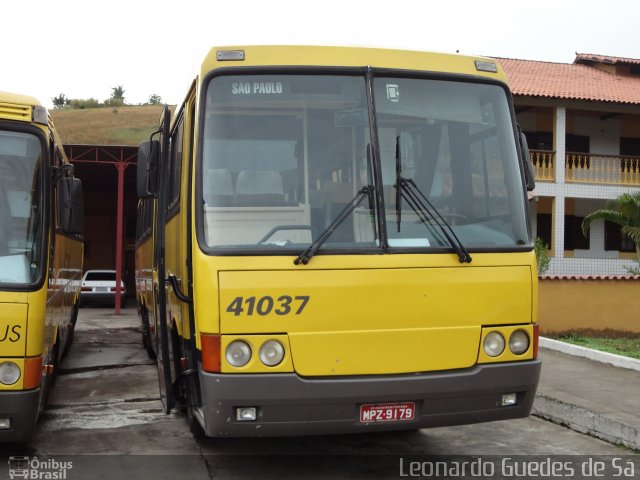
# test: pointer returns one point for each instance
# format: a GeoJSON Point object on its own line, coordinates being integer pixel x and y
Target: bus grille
{"type": "Point", "coordinates": [12, 111]}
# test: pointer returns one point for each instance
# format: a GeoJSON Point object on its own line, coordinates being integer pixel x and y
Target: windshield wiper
{"type": "Point", "coordinates": [304, 257]}
{"type": "Point", "coordinates": [428, 214]}
{"type": "Point", "coordinates": [421, 205]}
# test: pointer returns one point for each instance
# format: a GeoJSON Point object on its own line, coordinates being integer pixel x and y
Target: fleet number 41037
{"type": "Point", "coordinates": [282, 305]}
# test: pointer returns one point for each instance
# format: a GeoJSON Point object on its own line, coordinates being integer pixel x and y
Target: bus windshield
{"type": "Point", "coordinates": [284, 155]}
{"type": "Point", "coordinates": [21, 220]}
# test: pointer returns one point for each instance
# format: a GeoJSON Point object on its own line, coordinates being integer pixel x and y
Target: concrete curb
{"type": "Point", "coordinates": [584, 421]}
{"type": "Point", "coordinates": [579, 418]}
{"type": "Point", "coordinates": [596, 355]}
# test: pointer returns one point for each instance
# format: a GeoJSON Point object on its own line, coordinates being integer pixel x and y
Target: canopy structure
{"type": "Point", "coordinates": [109, 233]}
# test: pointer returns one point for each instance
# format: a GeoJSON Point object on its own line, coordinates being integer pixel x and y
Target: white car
{"type": "Point", "coordinates": [99, 286]}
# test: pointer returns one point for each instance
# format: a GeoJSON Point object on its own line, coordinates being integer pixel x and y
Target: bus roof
{"type": "Point", "coordinates": [16, 98]}
{"type": "Point", "coordinates": [22, 108]}
{"type": "Point", "coordinates": [17, 107]}
{"type": "Point", "coordinates": [351, 57]}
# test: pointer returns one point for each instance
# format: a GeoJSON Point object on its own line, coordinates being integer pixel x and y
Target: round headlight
{"type": "Point", "coordinates": [493, 344]}
{"type": "Point", "coordinates": [519, 342]}
{"type": "Point", "coordinates": [271, 353]}
{"type": "Point", "coordinates": [9, 373]}
{"type": "Point", "coordinates": [238, 353]}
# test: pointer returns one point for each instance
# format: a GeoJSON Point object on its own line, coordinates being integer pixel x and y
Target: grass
{"type": "Point", "coordinates": [131, 136]}
{"type": "Point", "coordinates": [127, 125]}
{"type": "Point", "coordinates": [611, 341]}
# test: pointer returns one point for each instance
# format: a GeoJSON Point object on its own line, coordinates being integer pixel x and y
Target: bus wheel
{"type": "Point", "coordinates": [194, 425]}
{"type": "Point", "coordinates": [190, 400]}
{"type": "Point", "coordinates": [72, 328]}
{"type": "Point", "coordinates": [146, 334]}
{"type": "Point", "coordinates": [180, 384]}
{"type": "Point", "coordinates": [187, 393]}
{"type": "Point", "coordinates": [52, 374]}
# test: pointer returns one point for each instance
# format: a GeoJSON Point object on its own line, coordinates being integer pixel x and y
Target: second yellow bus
{"type": "Point", "coordinates": [41, 249]}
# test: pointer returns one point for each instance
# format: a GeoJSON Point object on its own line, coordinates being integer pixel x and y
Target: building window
{"type": "Point", "coordinates": [539, 140]}
{"type": "Point", "coordinates": [574, 239]}
{"type": "Point", "coordinates": [577, 143]}
{"type": "Point", "coordinates": [577, 148]}
{"type": "Point", "coordinates": [630, 146]}
{"type": "Point", "coordinates": [543, 228]}
{"type": "Point", "coordinates": [614, 240]}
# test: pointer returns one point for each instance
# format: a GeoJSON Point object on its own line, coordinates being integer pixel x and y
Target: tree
{"type": "Point", "coordinates": [154, 99]}
{"type": "Point", "coordinates": [117, 97]}
{"type": "Point", "coordinates": [542, 256]}
{"type": "Point", "coordinates": [81, 103]}
{"type": "Point", "coordinates": [625, 211]}
{"type": "Point", "coordinates": [61, 101]}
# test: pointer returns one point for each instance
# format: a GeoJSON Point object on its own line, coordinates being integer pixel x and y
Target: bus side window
{"type": "Point", "coordinates": [5, 220]}
{"type": "Point", "coordinates": [175, 166]}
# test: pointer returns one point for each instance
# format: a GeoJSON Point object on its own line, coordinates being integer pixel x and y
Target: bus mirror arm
{"type": "Point", "coordinates": [64, 170]}
{"type": "Point", "coordinates": [173, 281]}
{"type": "Point", "coordinates": [147, 169]}
{"type": "Point", "coordinates": [529, 175]}
{"type": "Point", "coordinates": [70, 204]}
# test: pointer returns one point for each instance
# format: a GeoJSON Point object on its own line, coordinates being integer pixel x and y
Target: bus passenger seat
{"type": "Point", "coordinates": [260, 188]}
{"type": "Point", "coordinates": [218, 188]}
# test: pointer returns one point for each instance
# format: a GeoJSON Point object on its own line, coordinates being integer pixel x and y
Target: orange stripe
{"type": "Point", "coordinates": [210, 352]}
{"type": "Point", "coordinates": [32, 372]}
{"type": "Point", "coordinates": [536, 335]}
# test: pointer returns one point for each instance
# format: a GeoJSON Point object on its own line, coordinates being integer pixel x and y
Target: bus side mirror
{"type": "Point", "coordinates": [529, 176]}
{"type": "Point", "coordinates": [70, 205]}
{"type": "Point", "coordinates": [147, 169]}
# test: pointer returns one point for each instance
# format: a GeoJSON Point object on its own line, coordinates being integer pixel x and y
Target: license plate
{"type": "Point", "coordinates": [102, 289]}
{"type": "Point", "coordinates": [387, 412]}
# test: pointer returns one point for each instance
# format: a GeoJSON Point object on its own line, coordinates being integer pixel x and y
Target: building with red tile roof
{"type": "Point", "coordinates": [596, 59]}
{"type": "Point", "coordinates": [582, 122]}
{"type": "Point", "coordinates": [576, 81]}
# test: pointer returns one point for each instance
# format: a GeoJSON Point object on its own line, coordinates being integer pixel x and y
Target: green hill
{"type": "Point", "coordinates": [127, 125]}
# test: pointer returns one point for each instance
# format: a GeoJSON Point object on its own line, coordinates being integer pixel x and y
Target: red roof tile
{"type": "Point", "coordinates": [594, 57]}
{"type": "Point", "coordinates": [589, 277]}
{"type": "Point", "coordinates": [570, 81]}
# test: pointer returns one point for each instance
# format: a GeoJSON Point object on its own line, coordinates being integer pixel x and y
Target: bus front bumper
{"type": "Point", "coordinates": [21, 408]}
{"type": "Point", "coordinates": [287, 404]}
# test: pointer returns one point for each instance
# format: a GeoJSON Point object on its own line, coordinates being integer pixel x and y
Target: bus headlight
{"type": "Point", "coordinates": [493, 344]}
{"type": "Point", "coordinates": [9, 373]}
{"type": "Point", "coordinates": [519, 342]}
{"type": "Point", "coordinates": [238, 353]}
{"type": "Point", "coordinates": [271, 353]}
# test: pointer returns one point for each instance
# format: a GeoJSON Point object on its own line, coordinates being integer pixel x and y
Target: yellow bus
{"type": "Point", "coordinates": [341, 244]}
{"type": "Point", "coordinates": [143, 271]}
{"type": "Point", "coordinates": [41, 249]}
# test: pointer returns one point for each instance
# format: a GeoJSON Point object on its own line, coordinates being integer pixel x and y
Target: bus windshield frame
{"type": "Point", "coordinates": [318, 136]}
{"type": "Point", "coordinates": [23, 210]}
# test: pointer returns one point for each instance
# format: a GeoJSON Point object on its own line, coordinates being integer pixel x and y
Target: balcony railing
{"type": "Point", "coordinates": [608, 169]}
{"type": "Point", "coordinates": [588, 168]}
{"type": "Point", "coordinates": [543, 165]}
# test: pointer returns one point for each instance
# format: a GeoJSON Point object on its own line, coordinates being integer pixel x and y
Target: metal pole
{"type": "Point", "coordinates": [119, 220]}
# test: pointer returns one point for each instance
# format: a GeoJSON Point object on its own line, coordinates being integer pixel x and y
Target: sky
{"type": "Point", "coordinates": [85, 48]}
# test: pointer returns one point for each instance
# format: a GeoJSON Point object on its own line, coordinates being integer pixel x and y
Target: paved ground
{"type": "Point", "coordinates": [105, 408]}
{"type": "Point", "coordinates": [590, 397]}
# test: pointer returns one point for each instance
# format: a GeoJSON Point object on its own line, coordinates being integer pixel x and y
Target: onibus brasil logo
{"type": "Point", "coordinates": [34, 468]}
